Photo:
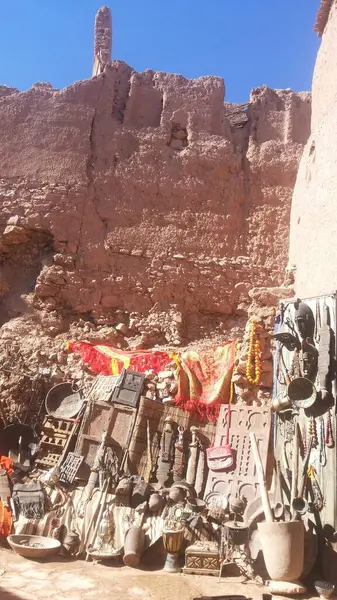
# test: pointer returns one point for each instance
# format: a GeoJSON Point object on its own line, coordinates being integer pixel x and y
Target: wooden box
{"type": "Point", "coordinates": [202, 559]}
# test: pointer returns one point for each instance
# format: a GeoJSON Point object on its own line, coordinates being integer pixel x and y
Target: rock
{"type": "Point", "coordinates": [122, 328]}
{"type": "Point", "coordinates": [14, 220]}
{"type": "Point", "coordinates": [173, 388]}
{"type": "Point", "coordinates": [242, 287]}
{"type": "Point", "coordinates": [162, 385]}
{"type": "Point", "coordinates": [44, 290]}
{"type": "Point", "coordinates": [14, 235]}
{"type": "Point", "coordinates": [266, 366]}
{"type": "Point", "coordinates": [241, 368]}
{"type": "Point", "coordinates": [165, 374]}
{"type": "Point", "coordinates": [64, 260]}
{"type": "Point", "coordinates": [266, 380]}
{"type": "Point", "coordinates": [167, 400]}
{"type": "Point", "coordinates": [150, 386]}
{"type": "Point", "coordinates": [50, 304]}
{"type": "Point", "coordinates": [239, 379]}
{"type": "Point", "coordinates": [269, 296]}
{"type": "Point", "coordinates": [110, 301]}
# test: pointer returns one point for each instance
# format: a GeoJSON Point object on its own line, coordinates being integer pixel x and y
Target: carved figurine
{"type": "Point", "coordinates": [193, 457]}
{"type": "Point", "coordinates": [165, 455]}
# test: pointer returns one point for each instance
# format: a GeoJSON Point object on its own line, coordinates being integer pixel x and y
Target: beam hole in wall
{"type": "Point", "coordinates": [19, 270]}
{"type": "Point", "coordinates": [179, 137]}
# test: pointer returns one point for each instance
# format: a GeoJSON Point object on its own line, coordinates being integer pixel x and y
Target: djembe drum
{"type": "Point", "coordinates": [173, 541]}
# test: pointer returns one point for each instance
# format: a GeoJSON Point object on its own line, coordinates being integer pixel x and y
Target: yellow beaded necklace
{"type": "Point", "coordinates": [254, 357]}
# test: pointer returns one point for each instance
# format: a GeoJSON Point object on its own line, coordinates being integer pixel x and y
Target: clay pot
{"type": "Point", "coordinates": [71, 543]}
{"type": "Point", "coordinates": [196, 505]}
{"type": "Point", "coordinates": [176, 494]}
{"type": "Point", "coordinates": [133, 546]}
{"type": "Point", "coordinates": [283, 549]}
{"type": "Point", "coordinates": [156, 502]}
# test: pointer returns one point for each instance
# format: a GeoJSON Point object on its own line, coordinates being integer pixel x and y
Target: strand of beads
{"type": "Point", "coordinates": [254, 357]}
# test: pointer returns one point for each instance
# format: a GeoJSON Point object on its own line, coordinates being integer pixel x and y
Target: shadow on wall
{"type": "Point", "coordinates": [5, 595]}
{"type": "Point", "coordinates": [19, 269]}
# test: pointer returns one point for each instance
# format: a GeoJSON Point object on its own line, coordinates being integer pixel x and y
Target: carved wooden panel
{"type": "Point", "coordinates": [117, 420]}
{"type": "Point", "coordinates": [129, 388]}
{"type": "Point", "coordinates": [241, 479]}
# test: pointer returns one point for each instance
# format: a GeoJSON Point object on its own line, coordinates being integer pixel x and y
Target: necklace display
{"type": "Point", "coordinates": [329, 440]}
{"type": "Point", "coordinates": [254, 357]}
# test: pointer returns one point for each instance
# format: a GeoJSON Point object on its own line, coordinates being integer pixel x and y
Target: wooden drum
{"type": "Point", "coordinates": [173, 541]}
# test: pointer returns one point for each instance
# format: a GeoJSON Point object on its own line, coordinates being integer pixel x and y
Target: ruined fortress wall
{"type": "Point", "coordinates": [314, 207]}
{"type": "Point", "coordinates": [156, 195]}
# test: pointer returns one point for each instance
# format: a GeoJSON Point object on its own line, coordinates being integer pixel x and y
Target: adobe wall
{"type": "Point", "coordinates": [140, 209]}
{"type": "Point", "coordinates": [314, 205]}
{"type": "Point", "coordinates": [151, 198]}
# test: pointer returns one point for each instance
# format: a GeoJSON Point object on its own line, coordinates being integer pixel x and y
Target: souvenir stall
{"type": "Point", "coordinates": [304, 423]}
{"type": "Point", "coordinates": [157, 450]}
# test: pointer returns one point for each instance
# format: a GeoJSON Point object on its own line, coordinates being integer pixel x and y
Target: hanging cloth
{"type": "Point", "coordinates": [204, 380]}
{"type": "Point", "coordinates": [106, 360]}
{"type": "Point", "coordinates": [221, 458]}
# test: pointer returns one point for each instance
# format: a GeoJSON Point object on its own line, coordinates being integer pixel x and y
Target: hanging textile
{"type": "Point", "coordinates": [6, 468]}
{"type": "Point", "coordinates": [106, 360]}
{"type": "Point", "coordinates": [204, 380]}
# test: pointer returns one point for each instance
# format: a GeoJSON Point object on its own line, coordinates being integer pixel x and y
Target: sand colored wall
{"type": "Point", "coordinates": [314, 206]}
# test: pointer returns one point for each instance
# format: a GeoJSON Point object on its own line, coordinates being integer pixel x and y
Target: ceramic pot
{"type": "Point", "coordinates": [133, 546]}
{"type": "Point", "coordinates": [283, 549]}
{"type": "Point", "coordinates": [156, 502]}
{"type": "Point", "coordinates": [176, 494]}
{"type": "Point", "coordinates": [196, 505]}
{"type": "Point", "coordinates": [71, 543]}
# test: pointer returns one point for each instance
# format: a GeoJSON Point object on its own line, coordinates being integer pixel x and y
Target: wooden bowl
{"type": "Point", "coordinates": [46, 546]}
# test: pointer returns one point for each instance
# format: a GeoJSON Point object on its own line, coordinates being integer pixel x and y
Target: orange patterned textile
{"type": "Point", "coordinates": [204, 380]}
{"type": "Point", "coordinates": [106, 360]}
{"type": "Point", "coordinates": [5, 512]}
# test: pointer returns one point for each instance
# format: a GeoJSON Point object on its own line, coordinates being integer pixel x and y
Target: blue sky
{"type": "Point", "coordinates": [249, 42]}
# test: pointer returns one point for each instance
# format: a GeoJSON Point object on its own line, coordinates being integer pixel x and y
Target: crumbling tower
{"type": "Point", "coordinates": [103, 40]}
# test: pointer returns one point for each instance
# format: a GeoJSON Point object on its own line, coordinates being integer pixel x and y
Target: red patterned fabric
{"type": "Point", "coordinates": [106, 360]}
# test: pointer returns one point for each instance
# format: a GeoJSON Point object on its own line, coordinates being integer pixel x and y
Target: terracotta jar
{"type": "Point", "coordinates": [283, 549]}
{"type": "Point", "coordinates": [133, 546]}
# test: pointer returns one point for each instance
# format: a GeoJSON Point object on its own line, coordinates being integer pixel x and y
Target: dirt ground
{"type": "Point", "coordinates": [61, 579]}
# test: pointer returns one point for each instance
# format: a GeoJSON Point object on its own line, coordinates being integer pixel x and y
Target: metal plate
{"type": "Point", "coordinates": [62, 403]}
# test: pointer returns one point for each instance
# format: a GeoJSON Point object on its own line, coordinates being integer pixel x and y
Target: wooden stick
{"type": "Point", "coordinates": [261, 479]}
{"type": "Point", "coordinates": [76, 423]}
{"type": "Point", "coordinates": [94, 515]}
{"type": "Point", "coordinates": [294, 481]}
{"type": "Point", "coordinates": [99, 518]}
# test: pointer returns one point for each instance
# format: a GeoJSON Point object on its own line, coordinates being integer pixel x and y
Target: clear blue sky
{"type": "Point", "coordinates": [247, 42]}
